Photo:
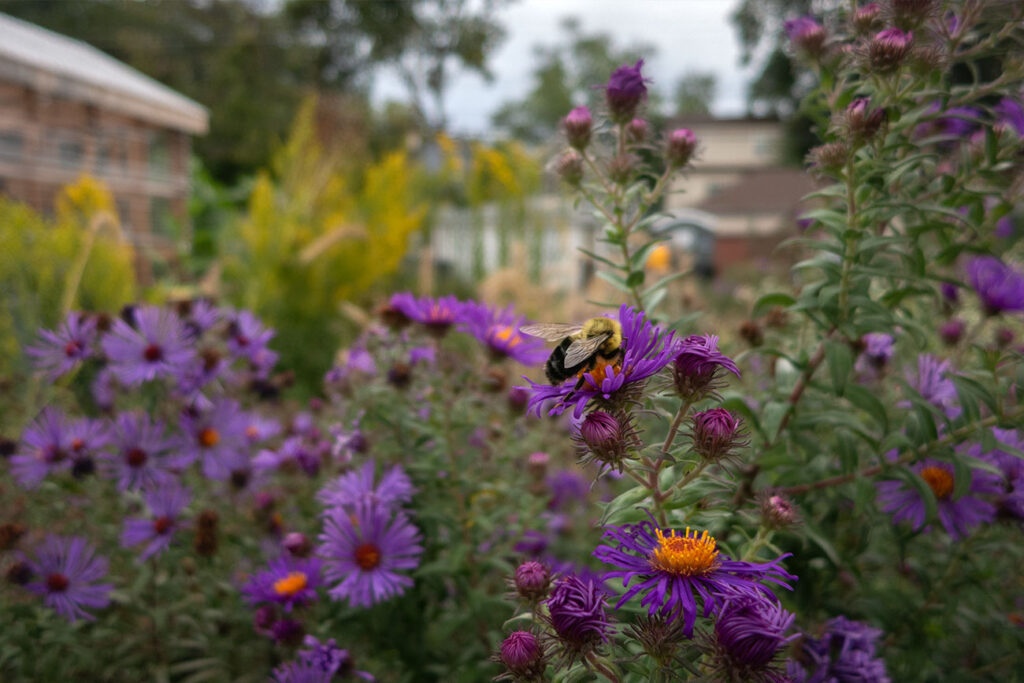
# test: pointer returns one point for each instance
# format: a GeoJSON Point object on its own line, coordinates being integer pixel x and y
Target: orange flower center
{"type": "Point", "coordinates": [939, 479]}
{"type": "Point", "coordinates": [685, 555]}
{"type": "Point", "coordinates": [367, 556]}
{"type": "Point", "coordinates": [252, 431]}
{"type": "Point", "coordinates": [291, 584]}
{"type": "Point", "coordinates": [209, 437]}
{"type": "Point", "coordinates": [507, 334]}
{"type": "Point", "coordinates": [599, 372]}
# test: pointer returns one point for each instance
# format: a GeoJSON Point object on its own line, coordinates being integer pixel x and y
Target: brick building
{"type": "Point", "coordinates": [67, 109]}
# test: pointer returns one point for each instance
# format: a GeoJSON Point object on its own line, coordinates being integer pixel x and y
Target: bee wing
{"type": "Point", "coordinates": [551, 331]}
{"type": "Point", "coordinates": [581, 349]}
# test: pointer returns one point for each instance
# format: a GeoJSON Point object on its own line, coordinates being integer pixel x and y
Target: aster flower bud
{"type": "Point", "coordinates": [625, 91]}
{"type": "Point", "coordinates": [10, 533]}
{"type": "Point", "coordinates": [716, 434]}
{"type": "Point", "coordinates": [578, 125]}
{"type": "Point", "coordinates": [569, 167]}
{"type": "Point", "coordinates": [532, 580]}
{"type": "Point", "coordinates": [831, 156]}
{"type": "Point", "coordinates": [751, 332]}
{"type": "Point", "coordinates": [806, 35]}
{"type": "Point", "coordinates": [264, 617]}
{"type": "Point", "coordinates": [287, 632]}
{"type": "Point", "coordinates": [605, 437]}
{"type": "Point", "coordinates": [576, 612]}
{"type": "Point", "coordinates": [950, 292]}
{"type": "Point", "coordinates": [621, 167]}
{"type": "Point", "coordinates": [400, 375]}
{"type": "Point", "coordinates": [518, 399]}
{"type": "Point", "coordinates": [861, 120]}
{"type": "Point", "coordinates": [523, 655]}
{"type": "Point", "coordinates": [749, 630]}
{"type": "Point", "coordinates": [778, 511]}
{"type": "Point", "coordinates": [866, 18]}
{"type": "Point", "coordinates": [19, 573]}
{"type": "Point", "coordinates": [537, 464]}
{"type": "Point", "coordinates": [697, 370]}
{"type": "Point", "coordinates": [878, 349]}
{"type": "Point", "coordinates": [1000, 287]}
{"type": "Point", "coordinates": [1004, 337]}
{"type": "Point", "coordinates": [298, 544]}
{"type": "Point", "coordinates": [909, 13]}
{"type": "Point", "coordinates": [889, 48]}
{"type": "Point", "coordinates": [681, 145]}
{"type": "Point", "coordinates": [660, 638]}
{"type": "Point", "coordinates": [636, 131]}
{"type": "Point", "coordinates": [952, 331]}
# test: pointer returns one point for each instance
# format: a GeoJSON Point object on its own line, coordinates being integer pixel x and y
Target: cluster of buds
{"type": "Point", "coordinates": [806, 36]}
{"type": "Point", "coordinates": [867, 18]}
{"type": "Point", "coordinates": [888, 49]}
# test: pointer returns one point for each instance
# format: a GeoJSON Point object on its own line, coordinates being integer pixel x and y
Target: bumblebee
{"type": "Point", "coordinates": [583, 348]}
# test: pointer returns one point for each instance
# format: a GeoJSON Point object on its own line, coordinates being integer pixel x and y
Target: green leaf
{"type": "Point", "coordinates": [663, 281]}
{"type": "Point", "coordinates": [635, 279]}
{"type": "Point", "coordinates": [769, 301]}
{"type": "Point", "coordinates": [869, 403]}
{"type": "Point", "coordinates": [616, 280]}
{"type": "Point", "coordinates": [811, 531]}
{"type": "Point", "coordinates": [840, 363]}
{"type": "Point", "coordinates": [602, 259]}
{"type": "Point", "coordinates": [638, 259]}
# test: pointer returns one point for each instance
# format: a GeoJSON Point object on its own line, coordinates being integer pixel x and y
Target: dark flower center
{"type": "Point", "coordinates": [52, 454]}
{"type": "Point", "coordinates": [83, 467]}
{"type": "Point", "coordinates": [136, 457]}
{"type": "Point", "coordinates": [367, 556]}
{"type": "Point", "coordinates": [162, 525]}
{"type": "Point", "coordinates": [940, 480]}
{"type": "Point", "coordinates": [153, 353]}
{"type": "Point", "coordinates": [72, 349]}
{"type": "Point", "coordinates": [77, 445]}
{"type": "Point", "coordinates": [208, 437]}
{"type": "Point", "coordinates": [57, 582]}
{"type": "Point", "coordinates": [210, 360]}
{"type": "Point", "coordinates": [241, 340]}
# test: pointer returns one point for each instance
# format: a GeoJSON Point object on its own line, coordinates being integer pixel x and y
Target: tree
{"type": "Point", "coordinates": [423, 40]}
{"type": "Point", "coordinates": [694, 93]}
{"type": "Point", "coordinates": [566, 75]}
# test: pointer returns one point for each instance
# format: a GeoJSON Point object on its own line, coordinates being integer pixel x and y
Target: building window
{"type": "Point", "coordinates": [12, 144]}
{"type": "Point", "coordinates": [159, 154]}
{"type": "Point", "coordinates": [161, 219]}
{"type": "Point", "coordinates": [70, 152]}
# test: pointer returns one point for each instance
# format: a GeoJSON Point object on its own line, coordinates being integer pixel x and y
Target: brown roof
{"type": "Point", "coordinates": [766, 190]}
{"type": "Point", "coordinates": [704, 119]}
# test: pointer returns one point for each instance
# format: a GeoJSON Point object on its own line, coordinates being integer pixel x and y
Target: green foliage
{"type": "Point", "coordinates": [314, 238]}
{"type": "Point", "coordinates": [47, 267]}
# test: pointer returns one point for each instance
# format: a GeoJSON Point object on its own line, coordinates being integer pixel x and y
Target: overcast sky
{"type": "Point", "coordinates": [691, 35]}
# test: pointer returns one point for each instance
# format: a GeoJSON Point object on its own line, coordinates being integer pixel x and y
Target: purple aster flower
{"type": "Point", "coordinates": [259, 428]}
{"type": "Point", "coordinates": [498, 331]}
{"type": "Point", "coordinates": [104, 389]}
{"type": "Point", "coordinates": [85, 439]}
{"type": "Point", "coordinates": [294, 453]}
{"type": "Point", "coordinates": [247, 336]}
{"type": "Point", "coordinates": [934, 385]}
{"type": "Point", "coordinates": [749, 631]}
{"type": "Point", "coordinates": [165, 503]}
{"type": "Point", "coordinates": [567, 487]}
{"type": "Point", "coordinates": [365, 550]}
{"type": "Point", "coordinates": [321, 663]}
{"type": "Point", "coordinates": [67, 570]}
{"type": "Point", "coordinates": [647, 349]}
{"type": "Point", "coordinates": [1010, 112]}
{"type": "Point", "coordinates": [1000, 287]}
{"type": "Point", "coordinates": [533, 543]}
{"type": "Point", "coordinates": [205, 367]}
{"type": "Point", "coordinates": [156, 345]}
{"type": "Point", "coordinates": [697, 369]}
{"type": "Point", "coordinates": [437, 315]}
{"type": "Point", "coordinates": [674, 570]}
{"type": "Point", "coordinates": [424, 354]}
{"type": "Point", "coordinates": [61, 350]}
{"type": "Point", "coordinates": [394, 490]}
{"type": "Point", "coordinates": [1010, 502]}
{"type": "Point", "coordinates": [955, 123]}
{"type": "Point", "coordinates": [576, 611]}
{"type": "Point", "coordinates": [846, 652]}
{"type": "Point", "coordinates": [288, 581]}
{"type": "Point", "coordinates": [958, 515]}
{"type": "Point", "coordinates": [202, 316]}
{"type": "Point", "coordinates": [216, 437]}
{"type": "Point", "coordinates": [44, 449]}
{"type": "Point", "coordinates": [625, 91]}
{"type": "Point", "coordinates": [139, 452]}
{"type": "Point", "coordinates": [878, 348]}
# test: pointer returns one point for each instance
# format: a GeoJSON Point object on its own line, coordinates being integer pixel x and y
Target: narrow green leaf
{"type": "Point", "coordinates": [769, 301]}
{"type": "Point", "coordinates": [840, 363]}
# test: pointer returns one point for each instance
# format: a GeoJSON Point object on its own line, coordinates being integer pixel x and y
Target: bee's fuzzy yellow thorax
{"type": "Point", "coordinates": [596, 326]}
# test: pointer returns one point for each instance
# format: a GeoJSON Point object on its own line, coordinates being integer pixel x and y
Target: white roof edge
{"type": "Point", "coordinates": [65, 67]}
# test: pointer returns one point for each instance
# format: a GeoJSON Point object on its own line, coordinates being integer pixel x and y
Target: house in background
{"type": "Point", "coordinates": [738, 182]}
{"type": "Point", "coordinates": [67, 109]}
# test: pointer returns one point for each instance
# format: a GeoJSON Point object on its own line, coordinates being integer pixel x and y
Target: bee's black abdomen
{"type": "Point", "coordinates": [555, 367]}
